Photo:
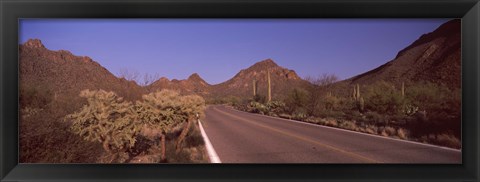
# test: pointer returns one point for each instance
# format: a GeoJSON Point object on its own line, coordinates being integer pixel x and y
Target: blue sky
{"type": "Point", "coordinates": [217, 49]}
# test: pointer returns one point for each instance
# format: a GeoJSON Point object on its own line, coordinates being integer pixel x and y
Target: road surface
{"type": "Point", "coordinates": [240, 137]}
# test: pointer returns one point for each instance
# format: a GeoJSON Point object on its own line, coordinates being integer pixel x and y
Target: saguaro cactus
{"type": "Point", "coordinates": [361, 103]}
{"type": "Point", "coordinates": [269, 87]}
{"type": "Point", "coordinates": [254, 87]}
{"type": "Point", "coordinates": [354, 95]}
{"type": "Point", "coordinates": [403, 89]}
{"type": "Point", "coordinates": [356, 92]}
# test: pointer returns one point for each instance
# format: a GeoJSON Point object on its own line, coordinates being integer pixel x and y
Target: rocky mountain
{"type": "Point", "coordinates": [241, 85]}
{"type": "Point", "coordinates": [434, 57]}
{"type": "Point", "coordinates": [63, 75]}
{"type": "Point", "coordinates": [193, 85]}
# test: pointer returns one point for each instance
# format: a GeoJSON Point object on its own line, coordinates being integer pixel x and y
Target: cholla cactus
{"type": "Point", "coordinates": [106, 119]}
{"type": "Point", "coordinates": [166, 109]}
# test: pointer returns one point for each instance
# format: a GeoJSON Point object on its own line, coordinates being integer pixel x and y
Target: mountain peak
{"type": "Point", "coordinates": [267, 63]}
{"type": "Point", "coordinates": [34, 43]}
{"type": "Point", "coordinates": [195, 77]}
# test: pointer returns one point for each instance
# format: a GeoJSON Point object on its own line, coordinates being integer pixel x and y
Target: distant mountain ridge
{"type": "Point", "coordinates": [66, 73]}
{"type": "Point", "coordinates": [434, 57]}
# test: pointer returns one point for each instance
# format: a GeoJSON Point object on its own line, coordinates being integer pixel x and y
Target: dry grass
{"type": "Point", "coordinates": [401, 133]}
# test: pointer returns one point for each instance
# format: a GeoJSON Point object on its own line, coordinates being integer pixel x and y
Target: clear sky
{"type": "Point", "coordinates": [217, 49]}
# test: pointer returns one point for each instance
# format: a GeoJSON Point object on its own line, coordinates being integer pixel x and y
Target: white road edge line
{"type": "Point", "coordinates": [345, 130]}
{"type": "Point", "coordinates": [210, 150]}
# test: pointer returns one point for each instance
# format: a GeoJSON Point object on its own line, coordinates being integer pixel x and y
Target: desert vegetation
{"type": "Point", "coordinates": [108, 129]}
{"type": "Point", "coordinates": [419, 111]}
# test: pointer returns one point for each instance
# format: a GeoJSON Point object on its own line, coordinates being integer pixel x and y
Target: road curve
{"type": "Point", "coordinates": [240, 137]}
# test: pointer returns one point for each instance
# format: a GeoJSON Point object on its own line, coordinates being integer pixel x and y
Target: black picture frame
{"type": "Point", "coordinates": [11, 11]}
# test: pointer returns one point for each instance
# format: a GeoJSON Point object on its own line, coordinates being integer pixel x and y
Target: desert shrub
{"type": "Point", "coordinates": [371, 129]}
{"type": "Point", "coordinates": [194, 138]}
{"type": "Point", "coordinates": [296, 101]}
{"type": "Point", "coordinates": [332, 114]}
{"type": "Point", "coordinates": [382, 97]}
{"type": "Point", "coordinates": [331, 122]}
{"type": "Point", "coordinates": [35, 96]}
{"type": "Point", "coordinates": [259, 98]}
{"type": "Point", "coordinates": [256, 107]}
{"type": "Point", "coordinates": [232, 100]}
{"type": "Point", "coordinates": [443, 139]}
{"type": "Point", "coordinates": [275, 107]}
{"type": "Point", "coordinates": [349, 125]}
{"type": "Point", "coordinates": [401, 133]}
{"type": "Point", "coordinates": [391, 131]}
{"type": "Point", "coordinates": [286, 116]}
{"type": "Point", "coordinates": [375, 118]}
{"type": "Point", "coordinates": [436, 109]}
{"type": "Point", "coordinates": [331, 102]}
{"type": "Point", "coordinates": [428, 96]}
{"type": "Point", "coordinates": [448, 140]}
{"type": "Point", "coordinates": [300, 115]}
{"type": "Point", "coordinates": [107, 119]}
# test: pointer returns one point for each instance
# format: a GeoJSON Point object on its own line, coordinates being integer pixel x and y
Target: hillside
{"type": "Point", "coordinates": [63, 74]}
{"type": "Point", "coordinates": [433, 57]}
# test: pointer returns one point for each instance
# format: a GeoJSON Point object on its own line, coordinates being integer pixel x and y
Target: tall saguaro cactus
{"type": "Point", "coordinates": [254, 87]}
{"type": "Point", "coordinates": [356, 92]}
{"type": "Point", "coordinates": [403, 89]}
{"type": "Point", "coordinates": [269, 87]}
{"type": "Point", "coordinates": [357, 98]}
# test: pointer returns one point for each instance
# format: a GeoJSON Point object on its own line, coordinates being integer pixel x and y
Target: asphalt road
{"type": "Point", "coordinates": [240, 137]}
